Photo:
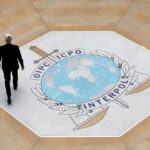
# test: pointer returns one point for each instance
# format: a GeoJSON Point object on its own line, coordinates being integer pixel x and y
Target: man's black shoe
{"type": "Point", "coordinates": [9, 101]}
{"type": "Point", "coordinates": [15, 87]}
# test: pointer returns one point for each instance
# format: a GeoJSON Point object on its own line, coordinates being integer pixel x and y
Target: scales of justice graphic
{"type": "Point", "coordinates": [82, 84]}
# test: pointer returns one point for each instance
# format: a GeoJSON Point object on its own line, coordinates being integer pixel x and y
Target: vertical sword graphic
{"type": "Point", "coordinates": [100, 115]}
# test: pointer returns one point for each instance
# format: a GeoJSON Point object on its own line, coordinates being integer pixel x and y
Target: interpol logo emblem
{"type": "Point", "coordinates": [81, 83]}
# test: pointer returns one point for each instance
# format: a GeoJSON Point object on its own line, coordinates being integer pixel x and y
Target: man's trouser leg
{"type": "Point", "coordinates": [15, 78]}
{"type": "Point", "coordinates": [7, 74]}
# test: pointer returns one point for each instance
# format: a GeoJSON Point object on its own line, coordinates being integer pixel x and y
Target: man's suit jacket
{"type": "Point", "coordinates": [10, 56]}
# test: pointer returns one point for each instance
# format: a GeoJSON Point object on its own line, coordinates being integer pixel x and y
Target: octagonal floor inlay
{"type": "Point", "coordinates": [81, 84]}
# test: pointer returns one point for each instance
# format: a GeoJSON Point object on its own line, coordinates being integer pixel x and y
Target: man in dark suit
{"type": "Point", "coordinates": [10, 56]}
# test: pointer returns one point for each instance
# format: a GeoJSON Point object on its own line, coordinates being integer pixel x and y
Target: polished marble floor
{"type": "Point", "coordinates": [27, 20]}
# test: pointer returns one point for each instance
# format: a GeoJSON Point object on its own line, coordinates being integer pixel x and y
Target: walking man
{"type": "Point", "coordinates": [10, 56]}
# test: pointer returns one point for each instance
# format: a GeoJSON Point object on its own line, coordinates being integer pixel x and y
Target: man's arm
{"type": "Point", "coordinates": [20, 58]}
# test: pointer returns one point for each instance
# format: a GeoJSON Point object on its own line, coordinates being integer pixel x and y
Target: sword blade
{"type": "Point", "coordinates": [121, 103]}
{"type": "Point", "coordinates": [39, 51]}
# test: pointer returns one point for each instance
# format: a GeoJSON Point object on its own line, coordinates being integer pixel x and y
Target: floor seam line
{"type": "Point", "coordinates": [39, 15]}
{"type": "Point", "coordinates": [35, 143]}
{"type": "Point", "coordinates": [124, 14]}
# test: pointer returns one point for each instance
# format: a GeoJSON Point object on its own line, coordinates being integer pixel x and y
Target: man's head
{"type": "Point", "coordinates": [8, 38]}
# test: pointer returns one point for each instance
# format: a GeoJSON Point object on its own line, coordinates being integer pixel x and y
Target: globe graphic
{"type": "Point", "coordinates": [80, 79]}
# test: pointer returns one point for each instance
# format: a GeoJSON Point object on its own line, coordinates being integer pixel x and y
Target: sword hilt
{"type": "Point", "coordinates": [41, 53]}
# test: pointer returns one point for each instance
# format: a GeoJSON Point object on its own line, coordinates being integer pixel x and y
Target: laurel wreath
{"type": "Point", "coordinates": [70, 109]}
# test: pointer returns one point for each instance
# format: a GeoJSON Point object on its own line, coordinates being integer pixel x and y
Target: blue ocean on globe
{"type": "Point", "coordinates": [80, 79]}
